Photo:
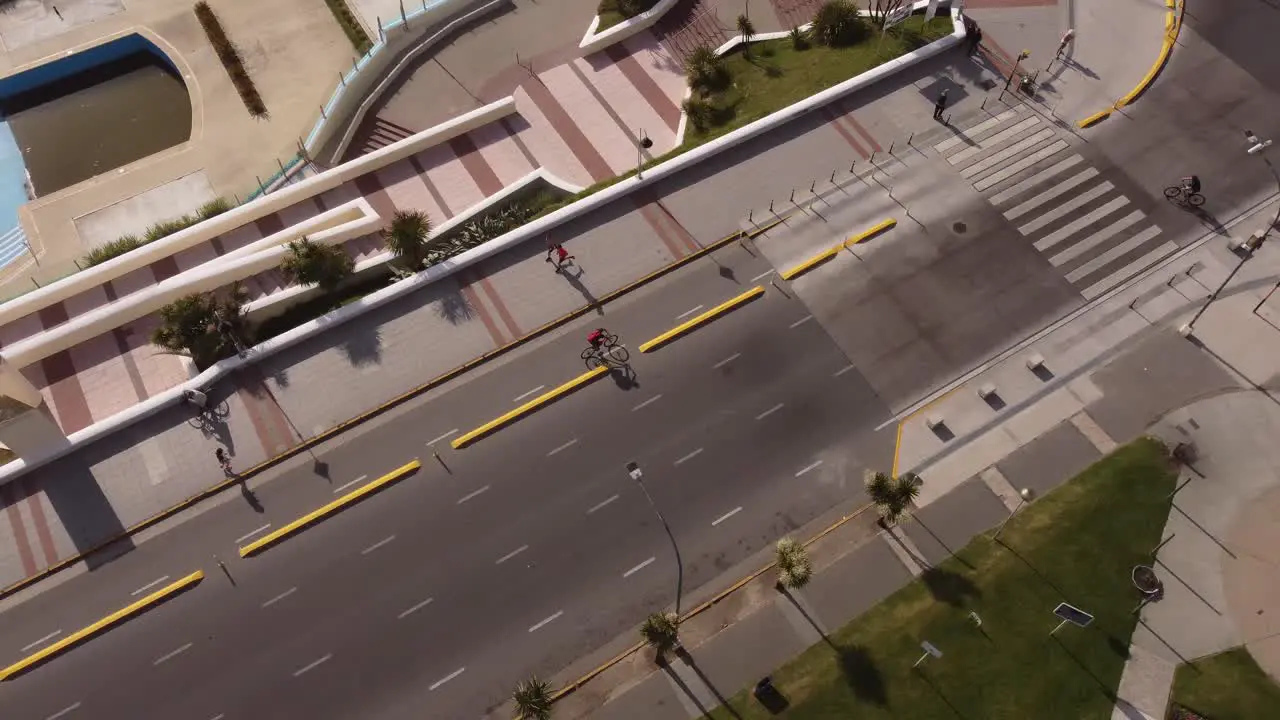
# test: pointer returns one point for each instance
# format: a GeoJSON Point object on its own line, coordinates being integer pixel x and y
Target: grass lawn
{"type": "Point", "coordinates": [1227, 686]}
{"type": "Point", "coordinates": [610, 15]}
{"type": "Point", "coordinates": [1076, 544]}
{"type": "Point", "coordinates": [775, 74]}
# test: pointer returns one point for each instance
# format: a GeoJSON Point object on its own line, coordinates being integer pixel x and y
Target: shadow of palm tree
{"type": "Point", "coordinates": [864, 678]}
{"type": "Point", "coordinates": [724, 702]}
{"type": "Point", "coordinates": [949, 587]}
{"type": "Point", "coordinates": [454, 308]}
{"type": "Point", "coordinates": [364, 348]}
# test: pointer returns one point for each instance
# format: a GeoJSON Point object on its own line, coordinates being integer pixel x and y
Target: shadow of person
{"type": "Point", "coordinates": [250, 497]}
{"type": "Point", "coordinates": [576, 282]}
{"type": "Point", "coordinates": [624, 377]}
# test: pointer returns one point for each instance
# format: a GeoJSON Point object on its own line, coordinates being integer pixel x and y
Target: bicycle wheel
{"type": "Point", "coordinates": [619, 354]}
{"type": "Point", "coordinates": [1195, 199]}
{"type": "Point", "coordinates": [1172, 192]}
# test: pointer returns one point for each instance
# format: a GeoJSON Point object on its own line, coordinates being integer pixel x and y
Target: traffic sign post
{"type": "Point", "coordinates": [1070, 614]}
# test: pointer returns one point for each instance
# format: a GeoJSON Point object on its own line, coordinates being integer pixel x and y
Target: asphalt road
{"type": "Point", "coordinates": [436, 595]}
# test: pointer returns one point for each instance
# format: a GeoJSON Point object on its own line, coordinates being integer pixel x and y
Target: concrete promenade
{"type": "Point", "coordinates": [71, 505]}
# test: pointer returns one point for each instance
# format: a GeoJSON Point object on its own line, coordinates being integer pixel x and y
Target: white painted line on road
{"type": "Point", "coordinates": [344, 486]}
{"type": "Point", "coordinates": [565, 446]}
{"type": "Point", "coordinates": [687, 313]}
{"type": "Point", "coordinates": [414, 609]}
{"type": "Point", "coordinates": [762, 276]}
{"type": "Point", "coordinates": [50, 636]}
{"type": "Point", "coordinates": [606, 502]}
{"type": "Point", "coordinates": [313, 665]}
{"type": "Point", "coordinates": [812, 466]}
{"type": "Point", "coordinates": [1081, 247]}
{"type": "Point", "coordinates": [442, 437]}
{"type": "Point", "coordinates": [511, 554]}
{"type": "Point", "coordinates": [769, 412]}
{"type": "Point", "coordinates": [544, 622]}
{"type": "Point", "coordinates": [63, 711]}
{"type": "Point", "coordinates": [801, 321]}
{"type": "Point", "coordinates": [638, 568]}
{"type": "Point", "coordinates": [377, 545]}
{"type": "Point", "coordinates": [172, 655]}
{"type": "Point", "coordinates": [531, 392]}
{"type": "Point", "coordinates": [251, 533]}
{"type": "Point", "coordinates": [690, 456]}
{"type": "Point", "coordinates": [1079, 224]}
{"type": "Point", "coordinates": [1119, 276]}
{"type": "Point", "coordinates": [726, 516]}
{"type": "Point", "coordinates": [446, 678]}
{"type": "Point", "coordinates": [651, 400]}
{"type": "Point", "coordinates": [280, 597]}
{"type": "Point", "coordinates": [726, 361]}
{"type": "Point", "coordinates": [843, 370]}
{"type": "Point", "coordinates": [472, 494]}
{"type": "Point", "coordinates": [148, 586]}
{"type": "Point", "coordinates": [1114, 253]}
{"type": "Point", "coordinates": [1053, 192]}
{"type": "Point", "coordinates": [219, 716]}
{"type": "Point", "coordinates": [1067, 207]}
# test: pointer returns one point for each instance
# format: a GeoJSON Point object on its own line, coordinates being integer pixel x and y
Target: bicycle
{"type": "Point", "coordinates": [1182, 196]}
{"type": "Point", "coordinates": [610, 354]}
{"type": "Point", "coordinates": [208, 416]}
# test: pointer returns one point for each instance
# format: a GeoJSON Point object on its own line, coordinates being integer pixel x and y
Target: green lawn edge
{"type": "Point", "coordinates": [1226, 686]}
{"type": "Point", "coordinates": [1076, 544]}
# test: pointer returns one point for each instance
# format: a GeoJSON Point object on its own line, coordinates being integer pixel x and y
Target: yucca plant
{"type": "Point", "coordinates": [837, 23]}
{"type": "Point", "coordinates": [408, 236]}
{"type": "Point", "coordinates": [533, 699]}
{"type": "Point", "coordinates": [310, 263]}
{"type": "Point", "coordinates": [706, 69]}
{"type": "Point", "coordinates": [892, 496]}
{"type": "Point", "coordinates": [746, 31]}
{"type": "Point", "coordinates": [661, 630]}
{"type": "Point", "coordinates": [799, 38]}
{"type": "Point", "coordinates": [206, 326]}
{"type": "Point", "coordinates": [794, 568]}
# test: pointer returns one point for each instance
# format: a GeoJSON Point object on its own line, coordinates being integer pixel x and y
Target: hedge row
{"type": "Point", "coordinates": [229, 54]}
{"type": "Point", "coordinates": [154, 232]}
{"type": "Point", "coordinates": [350, 25]}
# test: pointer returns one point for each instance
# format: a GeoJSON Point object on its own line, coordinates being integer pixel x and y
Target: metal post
{"type": "Point", "coordinates": [261, 187]}
{"type": "Point", "coordinates": [750, 213]}
{"type": "Point", "coordinates": [833, 177]}
{"type": "Point", "coordinates": [1023, 496]}
{"type": "Point", "coordinates": [381, 35]}
{"type": "Point", "coordinates": [891, 146]}
{"type": "Point", "coordinates": [911, 137]}
{"type": "Point", "coordinates": [342, 78]}
{"type": "Point", "coordinates": [771, 206]}
{"type": "Point", "coordinates": [322, 113]}
{"type": "Point", "coordinates": [404, 19]}
{"type": "Point", "coordinates": [1021, 56]}
{"type": "Point", "coordinates": [37, 284]}
{"type": "Point", "coordinates": [635, 474]}
{"type": "Point", "coordinates": [813, 185]}
{"type": "Point", "coordinates": [355, 64]}
{"type": "Point", "coordinates": [851, 166]}
{"type": "Point", "coordinates": [281, 164]}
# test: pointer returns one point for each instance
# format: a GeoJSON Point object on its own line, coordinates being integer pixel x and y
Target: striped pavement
{"type": "Point", "coordinates": [13, 245]}
{"type": "Point", "coordinates": [1080, 221]}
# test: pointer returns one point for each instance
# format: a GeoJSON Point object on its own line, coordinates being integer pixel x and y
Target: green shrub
{"type": "Point", "coordinates": [214, 208]}
{"type": "Point", "coordinates": [229, 54]}
{"type": "Point", "coordinates": [838, 24]}
{"type": "Point", "coordinates": [706, 69]}
{"type": "Point", "coordinates": [205, 326]}
{"type": "Point", "coordinates": [350, 25]}
{"type": "Point", "coordinates": [310, 263]}
{"type": "Point", "coordinates": [700, 113]}
{"type": "Point", "coordinates": [799, 39]}
{"type": "Point", "coordinates": [115, 248]}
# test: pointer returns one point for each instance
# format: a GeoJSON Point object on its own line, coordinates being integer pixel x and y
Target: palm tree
{"type": "Point", "coordinates": [747, 31]}
{"type": "Point", "coordinates": [533, 699]}
{"type": "Point", "coordinates": [408, 237]}
{"type": "Point", "coordinates": [706, 69]}
{"type": "Point", "coordinates": [310, 263]}
{"type": "Point", "coordinates": [206, 327]}
{"type": "Point", "coordinates": [794, 568]}
{"type": "Point", "coordinates": [892, 496]}
{"type": "Point", "coordinates": [661, 630]}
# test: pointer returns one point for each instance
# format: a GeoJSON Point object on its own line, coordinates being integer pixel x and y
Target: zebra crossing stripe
{"type": "Point", "coordinates": [993, 141]}
{"type": "Point", "coordinates": [1051, 193]}
{"type": "Point", "coordinates": [968, 135]}
{"type": "Point", "coordinates": [1053, 215]}
{"type": "Point", "coordinates": [1113, 254]}
{"type": "Point", "coordinates": [1079, 224]}
{"type": "Point", "coordinates": [1014, 150]}
{"type": "Point", "coordinates": [1004, 195]}
{"type": "Point", "coordinates": [1096, 239]}
{"type": "Point", "coordinates": [1005, 173]}
{"type": "Point", "coordinates": [1128, 271]}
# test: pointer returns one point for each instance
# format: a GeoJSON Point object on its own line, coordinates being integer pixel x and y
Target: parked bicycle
{"type": "Point", "coordinates": [208, 415]}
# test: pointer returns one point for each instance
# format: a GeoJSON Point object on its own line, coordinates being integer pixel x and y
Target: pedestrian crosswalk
{"type": "Point", "coordinates": [1084, 225]}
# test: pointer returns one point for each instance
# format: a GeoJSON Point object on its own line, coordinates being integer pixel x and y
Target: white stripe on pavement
{"type": "Point", "coordinates": [377, 545]}
{"type": "Point", "coordinates": [63, 711]}
{"type": "Point", "coordinates": [511, 554]}
{"type": "Point", "coordinates": [1012, 169]}
{"type": "Point", "coordinates": [1016, 129]}
{"type": "Point", "coordinates": [602, 504]}
{"type": "Point", "coordinates": [638, 568]}
{"type": "Point", "coordinates": [251, 533]}
{"type": "Point", "coordinates": [1113, 254]}
{"type": "Point", "coordinates": [1067, 207]}
{"type": "Point", "coordinates": [446, 678]}
{"type": "Point", "coordinates": [525, 395]}
{"type": "Point", "coordinates": [414, 609]}
{"type": "Point", "coordinates": [1132, 268]}
{"type": "Point", "coordinates": [646, 403]}
{"type": "Point", "coordinates": [967, 135]}
{"type": "Point", "coordinates": [565, 446]}
{"type": "Point", "coordinates": [726, 516]}
{"type": "Point", "coordinates": [171, 655]}
{"type": "Point", "coordinates": [687, 313]}
{"type": "Point", "coordinates": [544, 622]}
{"type": "Point", "coordinates": [769, 412]}
{"type": "Point", "coordinates": [442, 437]}
{"type": "Point", "coordinates": [1014, 150]}
{"type": "Point", "coordinates": [726, 361]}
{"type": "Point", "coordinates": [50, 636]}
{"type": "Point", "coordinates": [312, 666]}
{"type": "Point", "coordinates": [1079, 224]}
{"type": "Point", "coordinates": [344, 486]}
{"type": "Point", "coordinates": [690, 456]}
{"type": "Point", "coordinates": [148, 586]}
{"type": "Point", "coordinates": [1017, 189]}
{"type": "Point", "coordinates": [1053, 192]}
{"type": "Point", "coordinates": [810, 466]}
{"type": "Point", "coordinates": [471, 495]}
{"type": "Point", "coordinates": [280, 597]}
{"type": "Point", "coordinates": [1096, 239]}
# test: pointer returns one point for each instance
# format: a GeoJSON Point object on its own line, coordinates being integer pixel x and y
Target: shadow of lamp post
{"type": "Point", "coordinates": [1024, 496]}
{"type": "Point", "coordinates": [633, 469]}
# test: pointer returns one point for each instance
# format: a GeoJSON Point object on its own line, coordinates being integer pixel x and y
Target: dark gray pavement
{"type": "Point", "coordinates": [339, 596]}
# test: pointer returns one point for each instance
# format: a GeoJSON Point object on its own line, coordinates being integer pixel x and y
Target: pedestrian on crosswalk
{"type": "Point", "coordinates": [940, 105]}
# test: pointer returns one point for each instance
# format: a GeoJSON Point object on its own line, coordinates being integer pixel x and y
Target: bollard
{"type": "Point", "coordinates": [911, 137]}
{"type": "Point", "coordinates": [355, 64]}
{"type": "Point", "coordinates": [812, 185]}
{"type": "Point", "coordinates": [793, 196]}
{"type": "Point", "coordinates": [833, 177]}
{"type": "Point", "coordinates": [855, 162]}
{"type": "Point", "coordinates": [262, 188]}
{"type": "Point", "coordinates": [872, 159]}
{"type": "Point", "coordinates": [342, 78]}
{"type": "Point", "coordinates": [750, 214]}
{"type": "Point", "coordinates": [77, 262]}
{"type": "Point", "coordinates": [983, 106]}
{"type": "Point", "coordinates": [770, 206]}
{"type": "Point", "coordinates": [281, 164]}
{"type": "Point", "coordinates": [381, 36]}
{"type": "Point", "coordinates": [322, 113]}
{"type": "Point", "coordinates": [404, 19]}
{"type": "Point", "coordinates": [891, 146]}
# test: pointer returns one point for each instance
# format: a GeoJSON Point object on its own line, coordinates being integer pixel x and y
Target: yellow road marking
{"type": "Point", "coordinates": [705, 317]}
{"type": "Point", "coordinates": [467, 438]}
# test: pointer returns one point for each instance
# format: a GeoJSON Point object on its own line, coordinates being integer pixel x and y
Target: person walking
{"type": "Point", "coordinates": [224, 462]}
{"type": "Point", "coordinates": [940, 105]}
{"type": "Point", "coordinates": [973, 34]}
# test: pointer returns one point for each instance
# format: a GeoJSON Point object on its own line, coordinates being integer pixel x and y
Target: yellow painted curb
{"type": "Point", "coordinates": [871, 232]}
{"type": "Point", "coordinates": [550, 396]}
{"type": "Point", "coordinates": [834, 250]}
{"type": "Point", "coordinates": [354, 496]}
{"type": "Point", "coordinates": [104, 624]}
{"type": "Point", "coordinates": [705, 317]}
{"type": "Point", "coordinates": [1094, 118]}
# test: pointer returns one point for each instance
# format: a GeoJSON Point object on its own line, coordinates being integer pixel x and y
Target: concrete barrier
{"type": "Point", "coordinates": [595, 41]}
{"type": "Point", "coordinates": [528, 408]}
{"type": "Point", "coordinates": [702, 319]}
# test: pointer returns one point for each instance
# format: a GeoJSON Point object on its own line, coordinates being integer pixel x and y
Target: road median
{"type": "Point", "coordinates": [90, 631]}
{"type": "Point", "coordinates": [706, 317]}
{"type": "Point", "coordinates": [542, 400]}
{"type": "Point", "coordinates": [332, 508]}
{"type": "Point", "coordinates": [834, 250]}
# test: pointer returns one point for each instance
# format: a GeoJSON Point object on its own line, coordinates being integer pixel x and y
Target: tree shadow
{"type": "Point", "coordinates": [945, 546]}
{"type": "Point", "coordinates": [1106, 689]}
{"type": "Point", "coordinates": [1033, 568]}
{"type": "Point", "coordinates": [453, 308]}
{"type": "Point", "coordinates": [863, 676]}
{"type": "Point", "coordinates": [724, 702]}
{"type": "Point", "coordinates": [949, 587]}
{"type": "Point", "coordinates": [786, 592]}
{"type": "Point", "coordinates": [938, 691]}
{"type": "Point", "coordinates": [684, 687]}
{"type": "Point", "coordinates": [364, 348]}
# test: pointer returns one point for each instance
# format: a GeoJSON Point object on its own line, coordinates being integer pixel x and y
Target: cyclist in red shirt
{"type": "Point", "coordinates": [597, 337]}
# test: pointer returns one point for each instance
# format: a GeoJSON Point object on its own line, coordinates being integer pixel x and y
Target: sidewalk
{"type": "Point", "coordinates": [1218, 568]}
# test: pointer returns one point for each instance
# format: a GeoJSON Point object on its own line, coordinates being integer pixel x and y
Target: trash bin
{"type": "Point", "coordinates": [768, 695]}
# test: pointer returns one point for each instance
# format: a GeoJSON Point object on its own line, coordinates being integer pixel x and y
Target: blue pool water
{"type": "Point", "coordinates": [13, 176]}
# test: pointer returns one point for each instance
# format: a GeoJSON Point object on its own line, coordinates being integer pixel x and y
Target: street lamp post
{"type": "Point", "coordinates": [644, 143]}
{"type": "Point", "coordinates": [1024, 495]}
{"type": "Point", "coordinates": [1259, 147]}
{"type": "Point", "coordinates": [633, 469]}
{"type": "Point", "coordinates": [1021, 56]}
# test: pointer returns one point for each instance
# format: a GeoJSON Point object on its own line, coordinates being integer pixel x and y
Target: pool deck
{"type": "Point", "coordinates": [293, 49]}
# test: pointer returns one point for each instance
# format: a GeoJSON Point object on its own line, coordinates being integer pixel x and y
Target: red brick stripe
{"type": "Point", "coordinates": [35, 502]}
{"type": "Point", "coordinates": [834, 119]}
{"type": "Point", "coordinates": [645, 85]}
{"type": "Point", "coordinates": [473, 301]}
{"type": "Point", "coordinates": [515, 137]}
{"type": "Point", "coordinates": [568, 131]}
{"type": "Point", "coordinates": [853, 122]}
{"type": "Point", "coordinates": [477, 167]}
{"type": "Point", "coordinates": [431, 187]}
{"type": "Point", "coordinates": [680, 230]}
{"type": "Point", "coordinates": [9, 495]}
{"type": "Point", "coordinates": [501, 307]}
{"type": "Point", "coordinates": [654, 218]}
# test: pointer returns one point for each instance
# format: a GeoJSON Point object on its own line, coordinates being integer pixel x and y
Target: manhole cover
{"type": "Point", "coordinates": [960, 228]}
